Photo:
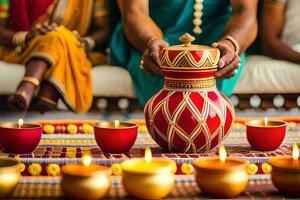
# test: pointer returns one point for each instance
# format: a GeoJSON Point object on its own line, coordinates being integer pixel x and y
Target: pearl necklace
{"type": "Point", "coordinates": [197, 21]}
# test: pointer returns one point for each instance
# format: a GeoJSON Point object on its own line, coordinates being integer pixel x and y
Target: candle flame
{"type": "Point", "coordinates": [266, 121]}
{"type": "Point", "coordinates": [295, 152]}
{"type": "Point", "coordinates": [86, 160]}
{"type": "Point", "coordinates": [148, 155]}
{"type": "Point", "coordinates": [117, 123]}
{"type": "Point", "coordinates": [20, 122]}
{"type": "Point", "coordinates": [222, 153]}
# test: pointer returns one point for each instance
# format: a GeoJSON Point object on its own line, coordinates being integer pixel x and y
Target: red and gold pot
{"type": "Point", "coordinates": [189, 114]}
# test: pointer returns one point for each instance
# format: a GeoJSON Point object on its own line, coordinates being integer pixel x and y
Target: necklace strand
{"type": "Point", "coordinates": [197, 21]}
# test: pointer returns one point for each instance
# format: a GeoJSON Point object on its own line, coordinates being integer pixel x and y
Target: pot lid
{"type": "Point", "coordinates": [188, 55]}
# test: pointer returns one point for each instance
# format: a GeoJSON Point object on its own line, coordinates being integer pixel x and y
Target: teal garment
{"type": "Point", "coordinates": [174, 17]}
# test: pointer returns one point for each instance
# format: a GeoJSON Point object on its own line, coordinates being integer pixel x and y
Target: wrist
{"type": "Point", "coordinates": [151, 40]}
{"type": "Point", "coordinates": [234, 43]}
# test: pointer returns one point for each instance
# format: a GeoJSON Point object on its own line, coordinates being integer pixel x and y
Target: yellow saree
{"type": "Point", "coordinates": [70, 66]}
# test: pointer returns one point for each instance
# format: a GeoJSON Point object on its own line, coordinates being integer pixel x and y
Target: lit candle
{"type": "Point", "coordinates": [222, 153]}
{"type": "Point", "coordinates": [266, 121]}
{"type": "Point", "coordinates": [86, 180]}
{"type": "Point", "coordinates": [115, 136]}
{"type": "Point", "coordinates": [229, 173]}
{"type": "Point", "coordinates": [265, 135]}
{"type": "Point", "coordinates": [286, 172]}
{"type": "Point", "coordinates": [295, 154]}
{"type": "Point", "coordinates": [20, 123]}
{"type": "Point", "coordinates": [148, 178]}
{"type": "Point", "coordinates": [148, 155]}
{"type": "Point", "coordinates": [117, 123]}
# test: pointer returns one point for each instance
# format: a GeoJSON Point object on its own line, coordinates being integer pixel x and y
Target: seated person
{"type": "Point", "coordinates": [51, 39]}
{"type": "Point", "coordinates": [149, 26]}
{"type": "Point", "coordinates": [280, 29]}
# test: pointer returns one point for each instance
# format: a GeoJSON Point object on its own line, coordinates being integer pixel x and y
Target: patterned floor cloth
{"type": "Point", "coordinates": [62, 148]}
{"type": "Point", "coordinates": [260, 186]}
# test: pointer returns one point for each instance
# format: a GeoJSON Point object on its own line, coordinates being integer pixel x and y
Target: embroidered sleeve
{"type": "Point", "coordinates": [100, 8]}
{"type": "Point", "coordinates": [4, 9]}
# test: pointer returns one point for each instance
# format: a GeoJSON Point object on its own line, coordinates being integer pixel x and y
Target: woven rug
{"type": "Point", "coordinates": [61, 148]}
{"type": "Point", "coordinates": [260, 186]}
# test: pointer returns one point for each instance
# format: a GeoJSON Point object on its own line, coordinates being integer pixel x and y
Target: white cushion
{"type": "Point", "coordinates": [265, 75]}
{"type": "Point", "coordinates": [261, 75]}
{"type": "Point", "coordinates": [108, 81]}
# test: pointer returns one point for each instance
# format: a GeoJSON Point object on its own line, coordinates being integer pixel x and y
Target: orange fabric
{"type": "Point", "coordinates": [70, 65]}
{"type": "Point", "coordinates": [70, 70]}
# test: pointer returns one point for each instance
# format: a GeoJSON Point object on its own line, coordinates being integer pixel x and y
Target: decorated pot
{"type": "Point", "coordinates": [189, 114]}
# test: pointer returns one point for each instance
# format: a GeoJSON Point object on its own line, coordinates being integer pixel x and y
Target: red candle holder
{"type": "Point", "coordinates": [265, 136]}
{"type": "Point", "coordinates": [115, 138]}
{"type": "Point", "coordinates": [19, 140]}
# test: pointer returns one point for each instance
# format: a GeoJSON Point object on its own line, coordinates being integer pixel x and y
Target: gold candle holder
{"type": "Point", "coordinates": [221, 178]}
{"type": "Point", "coordinates": [286, 173]}
{"type": "Point", "coordinates": [9, 176]}
{"type": "Point", "coordinates": [147, 178]}
{"type": "Point", "coordinates": [85, 181]}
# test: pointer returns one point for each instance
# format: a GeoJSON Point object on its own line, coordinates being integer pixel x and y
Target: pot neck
{"type": "Point", "coordinates": [189, 79]}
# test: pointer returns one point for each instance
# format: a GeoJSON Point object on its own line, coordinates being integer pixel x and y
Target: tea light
{"type": "Point", "coordinates": [148, 178]}
{"type": "Point", "coordinates": [115, 136]}
{"type": "Point", "coordinates": [9, 176]}
{"type": "Point", "coordinates": [265, 135]}
{"type": "Point", "coordinates": [221, 177]}
{"type": "Point", "coordinates": [86, 180]}
{"type": "Point", "coordinates": [286, 173]}
{"type": "Point", "coordinates": [20, 137]}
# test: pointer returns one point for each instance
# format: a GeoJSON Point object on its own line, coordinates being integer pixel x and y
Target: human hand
{"type": "Point", "coordinates": [42, 30]}
{"type": "Point", "coordinates": [229, 61]}
{"type": "Point", "coordinates": [150, 60]}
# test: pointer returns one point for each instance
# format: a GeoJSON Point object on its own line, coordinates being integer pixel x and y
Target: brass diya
{"type": "Point", "coordinates": [9, 176]}
{"type": "Point", "coordinates": [286, 173]}
{"type": "Point", "coordinates": [148, 178]}
{"type": "Point", "coordinates": [221, 177]}
{"type": "Point", "coordinates": [86, 180]}
{"type": "Point", "coordinates": [80, 182]}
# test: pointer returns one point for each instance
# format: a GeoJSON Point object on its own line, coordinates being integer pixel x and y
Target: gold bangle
{"type": "Point", "coordinates": [234, 42]}
{"type": "Point", "coordinates": [32, 80]}
{"type": "Point", "coordinates": [19, 38]}
{"type": "Point", "coordinates": [47, 100]}
{"type": "Point", "coordinates": [90, 43]}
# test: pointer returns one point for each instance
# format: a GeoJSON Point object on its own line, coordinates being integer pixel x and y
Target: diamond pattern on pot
{"type": "Point", "coordinates": [188, 121]}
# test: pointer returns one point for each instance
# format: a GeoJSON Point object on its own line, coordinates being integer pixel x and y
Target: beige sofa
{"type": "Point", "coordinates": [262, 75]}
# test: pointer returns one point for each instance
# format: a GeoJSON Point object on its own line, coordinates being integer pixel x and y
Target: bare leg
{"type": "Point", "coordinates": [48, 97]}
{"type": "Point", "coordinates": [22, 97]}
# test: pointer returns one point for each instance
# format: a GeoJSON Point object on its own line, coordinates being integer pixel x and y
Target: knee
{"type": "Point", "coordinates": [60, 35]}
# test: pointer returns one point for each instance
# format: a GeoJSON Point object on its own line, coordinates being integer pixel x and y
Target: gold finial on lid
{"type": "Point", "coordinates": [187, 39]}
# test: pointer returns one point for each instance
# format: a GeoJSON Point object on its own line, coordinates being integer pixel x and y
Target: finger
{"type": "Point", "coordinates": [154, 49]}
{"type": "Point", "coordinates": [231, 74]}
{"type": "Point", "coordinates": [150, 65]}
{"type": "Point", "coordinates": [154, 54]}
{"type": "Point", "coordinates": [215, 45]}
{"type": "Point", "coordinates": [228, 68]}
{"type": "Point", "coordinates": [226, 58]}
{"type": "Point", "coordinates": [42, 30]}
{"type": "Point", "coordinates": [52, 28]}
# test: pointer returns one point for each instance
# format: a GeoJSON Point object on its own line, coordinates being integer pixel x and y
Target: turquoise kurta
{"type": "Point", "coordinates": [174, 17]}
